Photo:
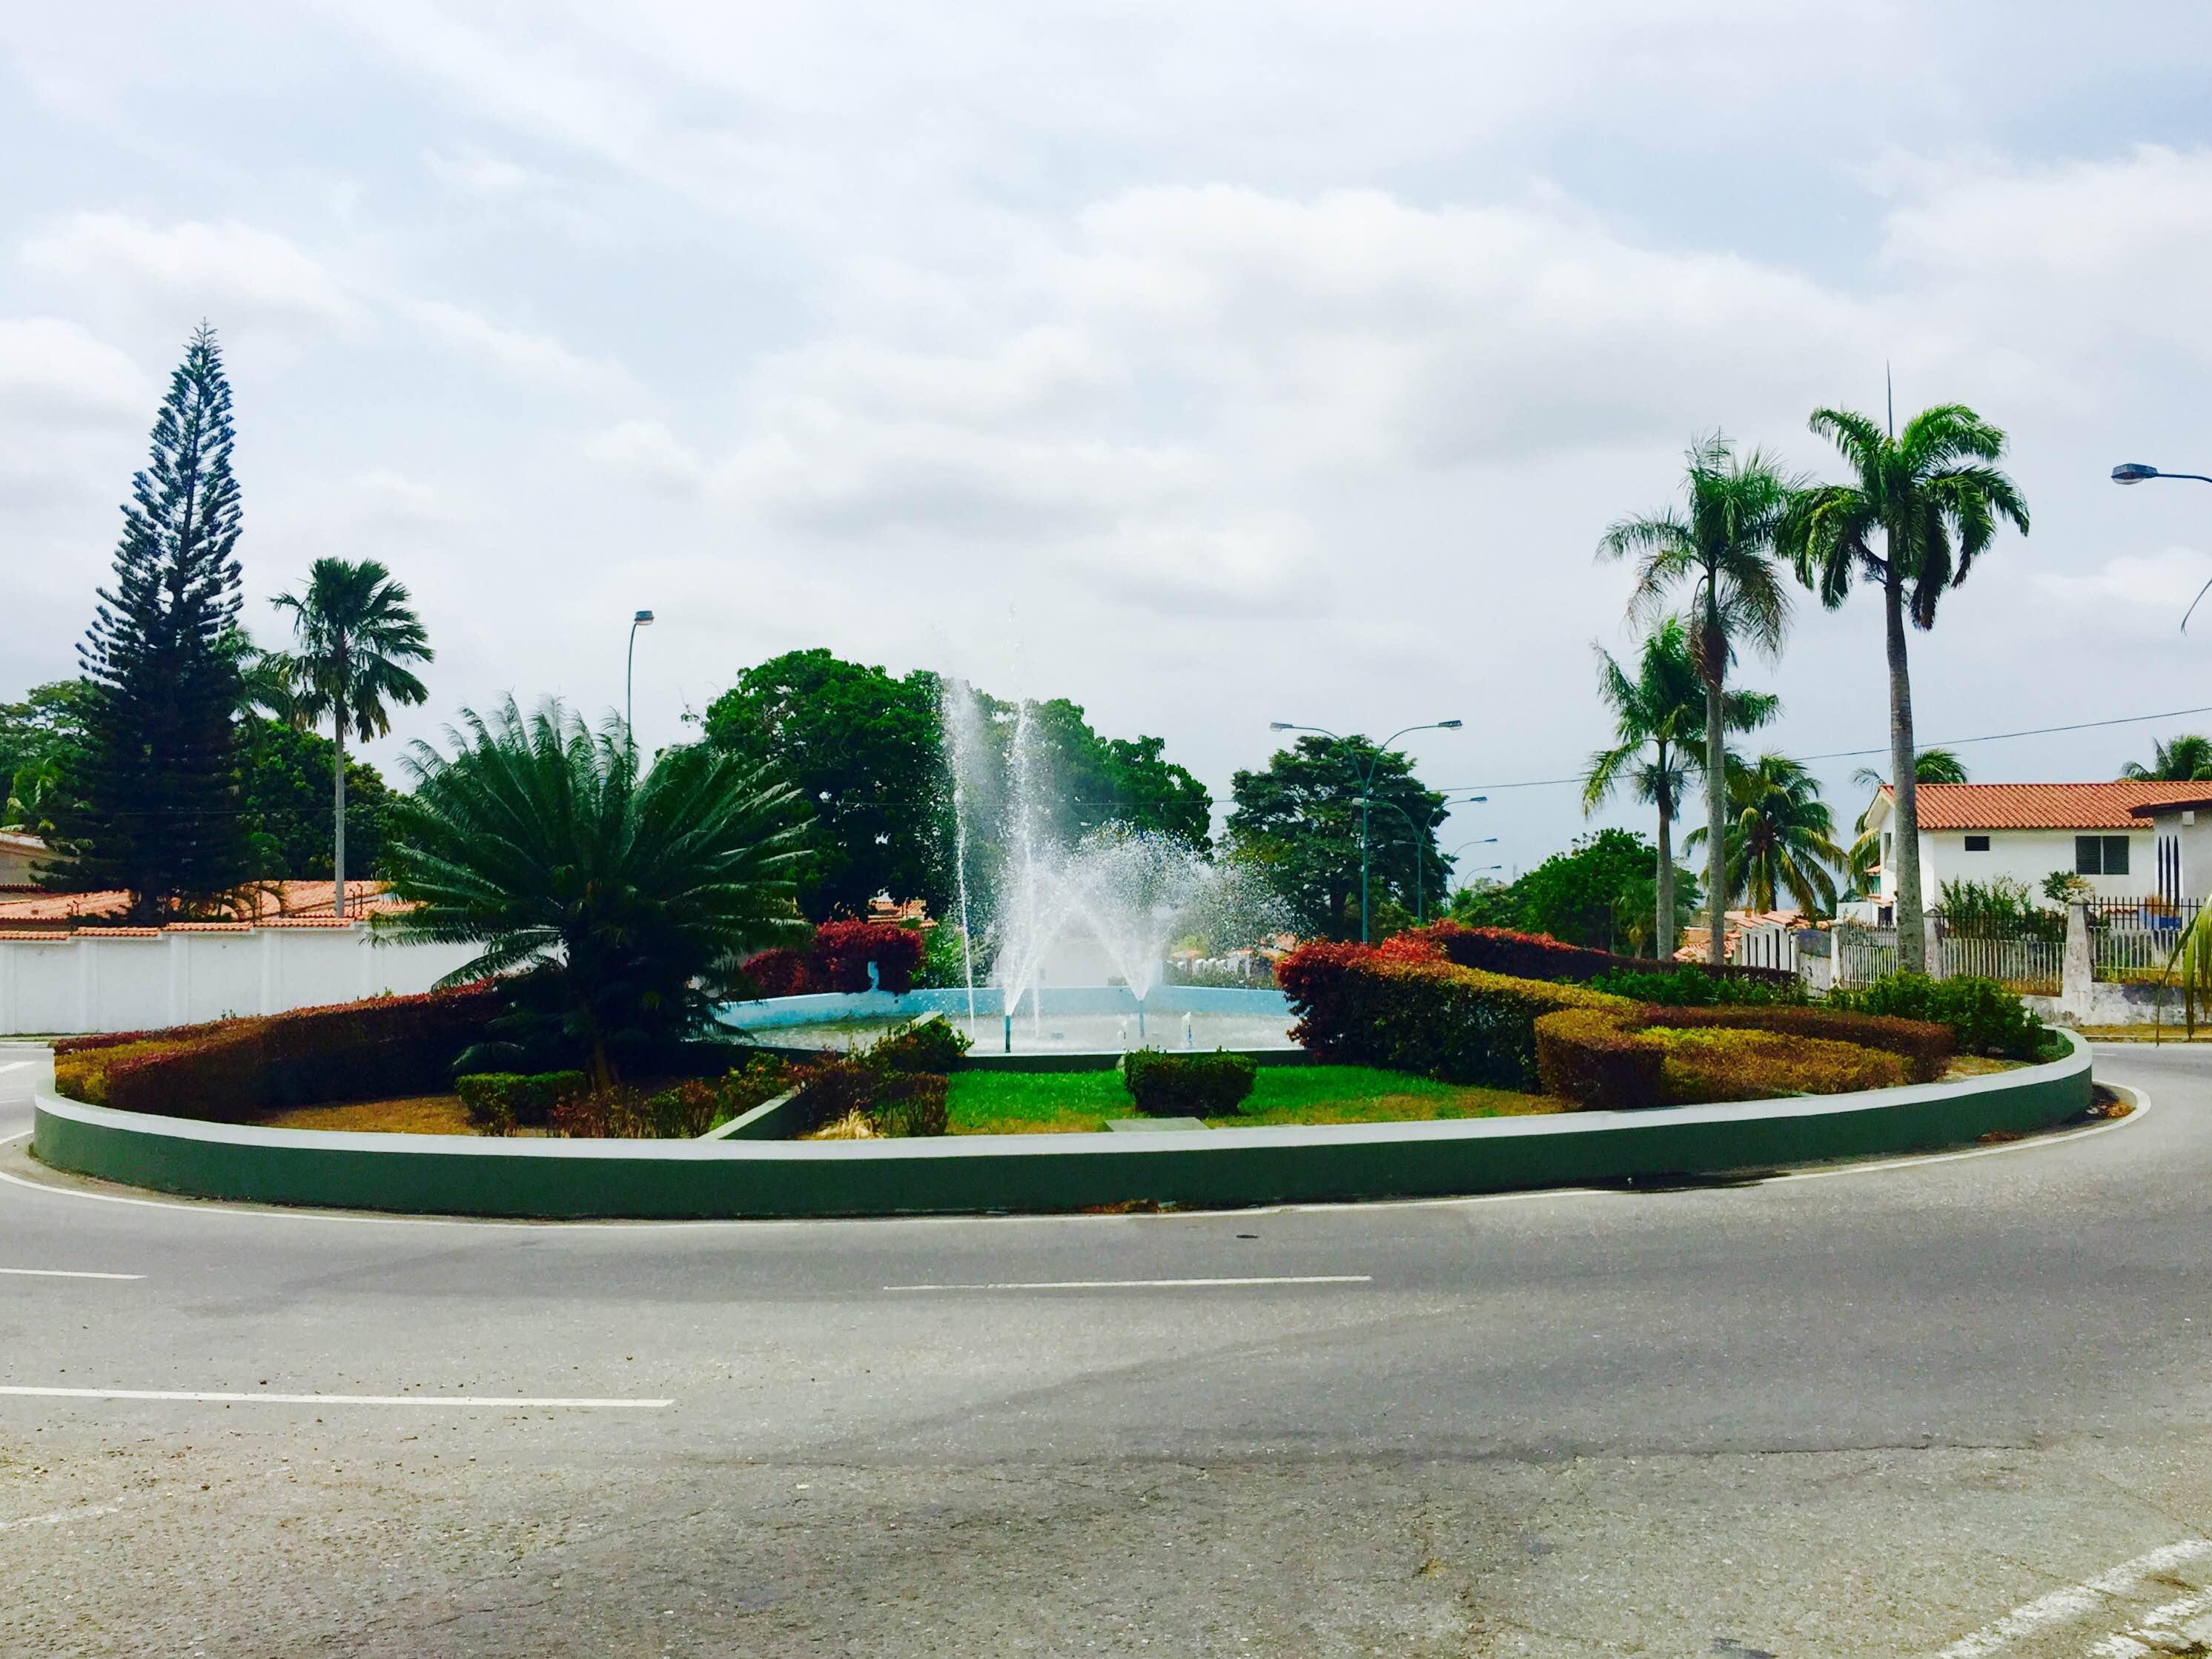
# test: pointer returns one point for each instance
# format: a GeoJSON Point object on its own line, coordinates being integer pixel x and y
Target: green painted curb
{"type": "Point", "coordinates": [444, 1175]}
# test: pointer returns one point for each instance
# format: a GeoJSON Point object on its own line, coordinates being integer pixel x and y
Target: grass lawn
{"type": "Point", "coordinates": [988, 1102]}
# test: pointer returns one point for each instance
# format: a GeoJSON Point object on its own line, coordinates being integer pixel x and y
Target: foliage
{"type": "Point", "coordinates": [887, 1102]}
{"type": "Point", "coordinates": [42, 750]}
{"type": "Point", "coordinates": [154, 802]}
{"type": "Point", "coordinates": [843, 951]}
{"type": "Point", "coordinates": [1539, 955]}
{"type": "Point", "coordinates": [355, 632]}
{"type": "Point", "coordinates": [1982, 1016]}
{"type": "Point", "coordinates": [619, 905]}
{"type": "Point", "coordinates": [2001, 908]}
{"type": "Point", "coordinates": [1299, 824]}
{"type": "Point", "coordinates": [784, 971]}
{"type": "Point", "coordinates": [1779, 836]}
{"type": "Point", "coordinates": [1928, 766]}
{"type": "Point", "coordinates": [1628, 1057]}
{"type": "Point", "coordinates": [2066, 887]}
{"type": "Point", "coordinates": [1485, 904]}
{"type": "Point", "coordinates": [931, 1043]}
{"type": "Point", "coordinates": [285, 799]}
{"type": "Point", "coordinates": [237, 1070]}
{"type": "Point", "coordinates": [1113, 779]}
{"type": "Point", "coordinates": [1691, 985]}
{"type": "Point", "coordinates": [1186, 1085]}
{"type": "Point", "coordinates": [944, 958]}
{"type": "Point", "coordinates": [1589, 893]}
{"type": "Point", "coordinates": [2186, 759]}
{"type": "Point", "coordinates": [497, 1101]}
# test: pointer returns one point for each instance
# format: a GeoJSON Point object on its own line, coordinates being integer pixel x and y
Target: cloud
{"type": "Point", "coordinates": [228, 267]}
{"type": "Point", "coordinates": [2165, 583]}
{"type": "Point", "coordinates": [647, 453]}
{"type": "Point", "coordinates": [55, 370]}
{"type": "Point", "coordinates": [472, 172]}
{"type": "Point", "coordinates": [384, 495]}
{"type": "Point", "coordinates": [537, 358]}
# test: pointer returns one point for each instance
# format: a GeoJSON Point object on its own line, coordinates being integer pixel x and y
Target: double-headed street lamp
{"type": "Point", "coordinates": [2135, 472]}
{"type": "Point", "coordinates": [643, 619]}
{"type": "Point", "coordinates": [1366, 786]}
{"type": "Point", "coordinates": [1419, 917]}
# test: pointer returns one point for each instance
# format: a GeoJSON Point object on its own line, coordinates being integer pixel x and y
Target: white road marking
{"type": "Point", "coordinates": [2154, 1633]}
{"type": "Point", "coordinates": [1150, 1284]}
{"type": "Point", "coordinates": [546, 1401]}
{"type": "Point", "coordinates": [15, 1065]}
{"type": "Point", "coordinates": [61, 1272]}
{"type": "Point", "coordinates": [2075, 1600]}
{"type": "Point", "coordinates": [58, 1516]}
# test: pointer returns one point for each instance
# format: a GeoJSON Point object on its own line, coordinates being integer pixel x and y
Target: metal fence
{"type": "Point", "coordinates": [2028, 963]}
{"type": "Point", "coordinates": [2135, 938]}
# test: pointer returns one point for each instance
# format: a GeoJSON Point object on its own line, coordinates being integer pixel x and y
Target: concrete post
{"type": "Point", "coordinates": [2078, 970]}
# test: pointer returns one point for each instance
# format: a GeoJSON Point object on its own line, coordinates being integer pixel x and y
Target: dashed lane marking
{"type": "Point", "coordinates": [449, 1402]}
{"type": "Point", "coordinates": [61, 1272]}
{"type": "Point", "coordinates": [2076, 1599]}
{"type": "Point", "coordinates": [1151, 1284]}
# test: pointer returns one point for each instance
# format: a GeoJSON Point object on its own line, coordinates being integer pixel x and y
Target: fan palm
{"type": "Point", "coordinates": [1779, 836]}
{"type": "Point", "coordinates": [356, 633]}
{"type": "Point", "coordinates": [620, 902]}
{"type": "Point", "coordinates": [1721, 546]}
{"type": "Point", "coordinates": [1923, 505]}
{"type": "Point", "coordinates": [2187, 759]}
{"type": "Point", "coordinates": [1659, 719]}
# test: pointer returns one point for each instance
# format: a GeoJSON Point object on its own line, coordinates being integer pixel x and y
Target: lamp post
{"type": "Point", "coordinates": [1366, 786]}
{"type": "Point", "coordinates": [1420, 918]}
{"type": "Point", "coordinates": [643, 619]}
{"type": "Point", "coordinates": [2135, 472]}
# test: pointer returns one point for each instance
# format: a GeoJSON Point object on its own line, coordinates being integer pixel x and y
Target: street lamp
{"type": "Point", "coordinates": [2136, 472]}
{"type": "Point", "coordinates": [643, 619]}
{"type": "Point", "coordinates": [1420, 916]}
{"type": "Point", "coordinates": [1366, 786]}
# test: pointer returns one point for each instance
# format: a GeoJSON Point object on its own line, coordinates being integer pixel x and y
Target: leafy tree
{"type": "Point", "coordinates": [2187, 759]}
{"type": "Point", "coordinates": [1298, 822]}
{"type": "Point", "coordinates": [1779, 835]}
{"type": "Point", "coordinates": [622, 903]}
{"type": "Point", "coordinates": [1922, 506]}
{"type": "Point", "coordinates": [285, 795]}
{"type": "Point", "coordinates": [1596, 893]}
{"type": "Point", "coordinates": [1484, 903]}
{"type": "Point", "coordinates": [1119, 780]}
{"type": "Point", "coordinates": [42, 747]}
{"type": "Point", "coordinates": [1721, 546]}
{"type": "Point", "coordinates": [156, 812]}
{"type": "Point", "coordinates": [356, 634]}
{"type": "Point", "coordinates": [1658, 728]}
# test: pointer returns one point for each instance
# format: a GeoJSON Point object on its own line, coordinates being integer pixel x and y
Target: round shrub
{"type": "Point", "coordinates": [1187, 1086]}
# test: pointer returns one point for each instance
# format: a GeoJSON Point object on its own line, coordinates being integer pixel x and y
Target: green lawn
{"type": "Point", "coordinates": [992, 1103]}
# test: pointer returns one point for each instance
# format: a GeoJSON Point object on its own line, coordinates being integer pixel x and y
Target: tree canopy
{"type": "Point", "coordinates": [1297, 821]}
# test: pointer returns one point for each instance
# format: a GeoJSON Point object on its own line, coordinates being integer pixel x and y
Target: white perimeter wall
{"type": "Point", "coordinates": [88, 982]}
{"type": "Point", "coordinates": [2027, 856]}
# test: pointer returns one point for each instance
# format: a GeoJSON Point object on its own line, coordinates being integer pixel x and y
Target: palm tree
{"type": "Point", "coordinates": [1658, 724]}
{"type": "Point", "coordinates": [620, 903]}
{"type": "Point", "coordinates": [1722, 549]}
{"type": "Point", "coordinates": [2187, 759]}
{"type": "Point", "coordinates": [1929, 766]}
{"type": "Point", "coordinates": [355, 631]}
{"type": "Point", "coordinates": [1923, 505]}
{"type": "Point", "coordinates": [1780, 836]}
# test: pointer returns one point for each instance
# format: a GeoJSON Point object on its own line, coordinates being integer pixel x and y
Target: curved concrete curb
{"type": "Point", "coordinates": [690, 1179]}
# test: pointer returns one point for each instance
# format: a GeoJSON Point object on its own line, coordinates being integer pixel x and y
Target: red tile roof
{"type": "Point", "coordinates": [284, 903]}
{"type": "Point", "coordinates": [2043, 805]}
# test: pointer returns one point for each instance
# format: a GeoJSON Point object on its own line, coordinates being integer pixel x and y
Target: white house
{"type": "Point", "coordinates": [2125, 840]}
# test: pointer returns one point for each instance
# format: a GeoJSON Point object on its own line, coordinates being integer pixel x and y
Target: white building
{"type": "Point", "coordinates": [2125, 840]}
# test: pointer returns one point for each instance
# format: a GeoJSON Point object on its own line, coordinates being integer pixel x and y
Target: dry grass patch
{"type": "Point", "coordinates": [419, 1115]}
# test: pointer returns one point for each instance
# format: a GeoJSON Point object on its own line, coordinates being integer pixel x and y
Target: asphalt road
{"type": "Point", "coordinates": [1953, 1407]}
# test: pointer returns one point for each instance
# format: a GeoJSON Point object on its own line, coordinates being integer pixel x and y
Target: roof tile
{"type": "Point", "coordinates": [2043, 805]}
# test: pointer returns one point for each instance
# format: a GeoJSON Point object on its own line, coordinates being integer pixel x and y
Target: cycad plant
{"type": "Point", "coordinates": [620, 901]}
{"type": "Point", "coordinates": [356, 634]}
{"type": "Point", "coordinates": [1780, 836]}
{"type": "Point", "coordinates": [1922, 506]}
{"type": "Point", "coordinates": [1659, 720]}
{"type": "Point", "coordinates": [1720, 545]}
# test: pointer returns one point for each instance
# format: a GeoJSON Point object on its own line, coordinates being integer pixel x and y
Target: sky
{"type": "Point", "coordinates": [1206, 364]}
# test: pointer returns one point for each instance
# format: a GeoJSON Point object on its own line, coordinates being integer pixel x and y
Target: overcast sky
{"type": "Point", "coordinates": [1205, 363]}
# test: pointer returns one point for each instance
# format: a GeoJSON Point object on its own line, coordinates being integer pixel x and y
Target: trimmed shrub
{"type": "Point", "coordinates": [1591, 1057]}
{"type": "Point", "coordinates": [782, 973]}
{"type": "Point", "coordinates": [1709, 1065]}
{"type": "Point", "coordinates": [932, 1043]}
{"type": "Point", "coordinates": [1926, 1048]}
{"type": "Point", "coordinates": [1621, 1059]}
{"type": "Point", "coordinates": [497, 1101]}
{"type": "Point", "coordinates": [1412, 1012]}
{"type": "Point", "coordinates": [1688, 985]}
{"type": "Point", "coordinates": [1982, 1016]}
{"type": "Point", "coordinates": [383, 1047]}
{"type": "Point", "coordinates": [82, 1073]}
{"type": "Point", "coordinates": [843, 950]}
{"type": "Point", "coordinates": [1187, 1086]}
{"type": "Point", "coordinates": [1539, 955]}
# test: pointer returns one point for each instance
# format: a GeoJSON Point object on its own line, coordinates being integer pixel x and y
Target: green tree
{"type": "Point", "coordinates": [1119, 780]}
{"type": "Point", "coordinates": [42, 751]}
{"type": "Point", "coordinates": [1922, 506]}
{"type": "Point", "coordinates": [1298, 822]}
{"type": "Point", "coordinates": [1721, 546]}
{"type": "Point", "coordinates": [2187, 759]}
{"type": "Point", "coordinates": [621, 904]}
{"type": "Point", "coordinates": [1659, 719]}
{"type": "Point", "coordinates": [285, 795]}
{"type": "Point", "coordinates": [1597, 893]}
{"type": "Point", "coordinates": [356, 633]}
{"type": "Point", "coordinates": [155, 811]}
{"type": "Point", "coordinates": [1779, 836]}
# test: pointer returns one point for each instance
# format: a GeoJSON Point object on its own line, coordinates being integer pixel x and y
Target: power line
{"type": "Point", "coordinates": [1857, 754]}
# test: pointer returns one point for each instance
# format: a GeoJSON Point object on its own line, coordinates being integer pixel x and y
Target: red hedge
{"type": "Point", "coordinates": [1539, 955]}
{"type": "Point", "coordinates": [782, 974]}
{"type": "Point", "coordinates": [843, 950]}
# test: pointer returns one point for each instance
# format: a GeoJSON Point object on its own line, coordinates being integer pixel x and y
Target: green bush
{"type": "Point", "coordinates": [1186, 1085]}
{"type": "Point", "coordinates": [1624, 1058]}
{"type": "Point", "coordinates": [1702, 1065]}
{"type": "Point", "coordinates": [932, 1043]}
{"type": "Point", "coordinates": [910, 1103]}
{"type": "Point", "coordinates": [1984, 1019]}
{"type": "Point", "coordinates": [1688, 987]}
{"type": "Point", "coordinates": [1924, 1046]}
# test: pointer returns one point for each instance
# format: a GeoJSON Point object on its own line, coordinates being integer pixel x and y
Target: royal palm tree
{"type": "Point", "coordinates": [2187, 759]}
{"type": "Point", "coordinates": [1780, 837]}
{"type": "Point", "coordinates": [1721, 546]}
{"type": "Point", "coordinates": [1922, 506]}
{"type": "Point", "coordinates": [1659, 719]}
{"type": "Point", "coordinates": [355, 632]}
{"type": "Point", "coordinates": [619, 902]}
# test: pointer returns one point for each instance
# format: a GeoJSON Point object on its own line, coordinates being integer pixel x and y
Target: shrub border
{"type": "Point", "coordinates": [738, 1178]}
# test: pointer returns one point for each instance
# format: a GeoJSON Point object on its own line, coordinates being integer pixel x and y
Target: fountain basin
{"type": "Point", "coordinates": [1075, 1027]}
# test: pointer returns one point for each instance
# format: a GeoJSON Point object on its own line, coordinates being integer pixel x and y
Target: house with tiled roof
{"type": "Point", "coordinates": [2116, 836]}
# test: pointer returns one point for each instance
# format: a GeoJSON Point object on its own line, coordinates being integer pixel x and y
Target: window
{"type": "Point", "coordinates": [2101, 855]}
{"type": "Point", "coordinates": [1978, 843]}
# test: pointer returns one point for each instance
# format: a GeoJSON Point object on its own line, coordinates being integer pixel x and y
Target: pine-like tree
{"type": "Point", "coordinates": [158, 812]}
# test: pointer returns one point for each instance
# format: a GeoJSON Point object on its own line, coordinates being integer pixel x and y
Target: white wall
{"type": "Point", "coordinates": [94, 981]}
{"type": "Point", "coordinates": [2025, 856]}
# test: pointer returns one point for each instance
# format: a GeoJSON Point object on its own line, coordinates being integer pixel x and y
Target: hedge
{"type": "Point", "coordinates": [838, 960]}
{"type": "Point", "coordinates": [1187, 1086]}
{"type": "Point", "coordinates": [1539, 955]}
{"type": "Point", "coordinates": [497, 1101]}
{"type": "Point", "coordinates": [1983, 1015]}
{"type": "Point", "coordinates": [368, 1050]}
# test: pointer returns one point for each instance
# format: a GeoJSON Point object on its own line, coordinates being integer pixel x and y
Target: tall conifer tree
{"type": "Point", "coordinates": [159, 815]}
